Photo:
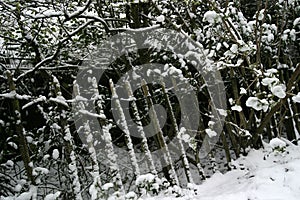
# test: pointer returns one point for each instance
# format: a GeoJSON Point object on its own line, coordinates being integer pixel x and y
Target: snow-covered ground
{"type": "Point", "coordinates": [265, 174]}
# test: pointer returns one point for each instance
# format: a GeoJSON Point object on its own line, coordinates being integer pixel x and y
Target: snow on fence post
{"type": "Point", "coordinates": [74, 176]}
{"type": "Point", "coordinates": [141, 130]}
{"type": "Point", "coordinates": [73, 172]}
{"type": "Point", "coordinates": [95, 188]}
{"type": "Point", "coordinates": [178, 134]}
{"type": "Point", "coordinates": [112, 159]}
{"type": "Point", "coordinates": [125, 129]}
{"type": "Point", "coordinates": [161, 141]}
{"type": "Point", "coordinates": [109, 149]}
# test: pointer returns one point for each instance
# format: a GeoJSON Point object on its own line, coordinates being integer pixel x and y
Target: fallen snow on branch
{"type": "Point", "coordinates": [14, 95]}
{"type": "Point", "coordinates": [60, 100]}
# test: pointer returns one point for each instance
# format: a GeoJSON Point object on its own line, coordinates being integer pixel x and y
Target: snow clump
{"type": "Point", "coordinates": [257, 104]}
{"type": "Point", "coordinates": [211, 17]}
{"type": "Point", "coordinates": [296, 98]}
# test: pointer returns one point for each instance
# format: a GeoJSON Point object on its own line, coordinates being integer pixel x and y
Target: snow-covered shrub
{"type": "Point", "coordinates": [106, 190]}
{"type": "Point", "coordinates": [175, 190]}
{"type": "Point", "coordinates": [148, 184]}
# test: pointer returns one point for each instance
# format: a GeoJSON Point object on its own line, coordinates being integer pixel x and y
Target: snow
{"type": "Point", "coordinates": [135, 76]}
{"type": "Point", "coordinates": [14, 95]}
{"type": "Point", "coordinates": [14, 145]}
{"type": "Point", "coordinates": [9, 163]}
{"type": "Point", "coordinates": [40, 99]}
{"type": "Point", "coordinates": [24, 196]}
{"type": "Point", "coordinates": [234, 48]}
{"type": "Point", "coordinates": [40, 170]}
{"type": "Point", "coordinates": [80, 98]}
{"type": "Point", "coordinates": [270, 37]}
{"type": "Point", "coordinates": [222, 112]}
{"type": "Point", "coordinates": [31, 194]}
{"type": "Point", "coordinates": [122, 16]}
{"type": "Point", "coordinates": [285, 34]}
{"type": "Point", "coordinates": [263, 174]}
{"type": "Point", "coordinates": [257, 104]}
{"type": "Point", "coordinates": [219, 45]}
{"type": "Point", "coordinates": [231, 101]}
{"type": "Point", "coordinates": [148, 181]}
{"type": "Point", "coordinates": [29, 139]}
{"type": "Point", "coordinates": [279, 91]}
{"type": "Point", "coordinates": [85, 112]}
{"type": "Point", "coordinates": [210, 133]}
{"type": "Point", "coordinates": [107, 186]}
{"type": "Point", "coordinates": [68, 135]}
{"type": "Point", "coordinates": [60, 100]}
{"type": "Point", "coordinates": [52, 196]}
{"type": "Point", "coordinates": [93, 192]}
{"type": "Point", "coordinates": [236, 108]}
{"type": "Point", "coordinates": [18, 188]}
{"type": "Point", "coordinates": [173, 70]}
{"type": "Point", "coordinates": [296, 98]}
{"type": "Point", "coordinates": [276, 142]}
{"type": "Point", "coordinates": [296, 21]}
{"type": "Point", "coordinates": [261, 14]}
{"type": "Point", "coordinates": [131, 195]}
{"type": "Point", "coordinates": [160, 18]}
{"type": "Point", "coordinates": [55, 126]}
{"type": "Point", "coordinates": [273, 84]}
{"type": "Point", "coordinates": [271, 71]}
{"type": "Point", "coordinates": [55, 154]}
{"type": "Point", "coordinates": [186, 138]}
{"type": "Point", "coordinates": [226, 45]}
{"type": "Point", "coordinates": [46, 157]}
{"type": "Point", "coordinates": [269, 81]}
{"type": "Point", "coordinates": [210, 17]}
{"type": "Point", "coordinates": [145, 178]}
{"type": "Point", "coordinates": [49, 13]}
{"type": "Point", "coordinates": [243, 91]}
{"type": "Point", "coordinates": [293, 35]}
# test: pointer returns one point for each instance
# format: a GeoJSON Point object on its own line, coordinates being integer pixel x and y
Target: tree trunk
{"type": "Point", "coordinates": [23, 146]}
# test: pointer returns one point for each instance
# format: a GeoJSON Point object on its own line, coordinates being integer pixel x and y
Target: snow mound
{"type": "Point", "coordinates": [277, 143]}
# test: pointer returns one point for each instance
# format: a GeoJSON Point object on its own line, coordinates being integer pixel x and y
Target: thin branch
{"type": "Point", "coordinates": [78, 12]}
